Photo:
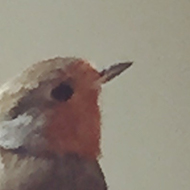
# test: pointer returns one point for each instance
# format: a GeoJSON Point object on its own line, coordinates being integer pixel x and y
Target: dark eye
{"type": "Point", "coordinates": [63, 92]}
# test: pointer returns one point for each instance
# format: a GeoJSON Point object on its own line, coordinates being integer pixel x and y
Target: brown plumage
{"type": "Point", "coordinates": [50, 126]}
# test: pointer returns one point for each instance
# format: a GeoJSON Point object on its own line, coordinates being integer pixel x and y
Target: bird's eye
{"type": "Point", "coordinates": [62, 92]}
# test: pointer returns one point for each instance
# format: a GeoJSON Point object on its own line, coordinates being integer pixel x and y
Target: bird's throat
{"type": "Point", "coordinates": [75, 128]}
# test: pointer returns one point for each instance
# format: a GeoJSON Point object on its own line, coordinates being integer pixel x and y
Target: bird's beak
{"type": "Point", "coordinates": [113, 71]}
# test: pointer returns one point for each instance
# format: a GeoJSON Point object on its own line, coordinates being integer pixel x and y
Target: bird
{"type": "Point", "coordinates": [50, 126]}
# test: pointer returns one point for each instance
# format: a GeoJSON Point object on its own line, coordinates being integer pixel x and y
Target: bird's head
{"type": "Point", "coordinates": [52, 108]}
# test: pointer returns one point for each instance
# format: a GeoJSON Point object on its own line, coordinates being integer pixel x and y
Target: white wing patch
{"type": "Point", "coordinates": [25, 131]}
{"type": "Point", "coordinates": [14, 132]}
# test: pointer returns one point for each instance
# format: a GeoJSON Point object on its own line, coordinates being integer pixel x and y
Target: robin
{"type": "Point", "coordinates": [50, 126]}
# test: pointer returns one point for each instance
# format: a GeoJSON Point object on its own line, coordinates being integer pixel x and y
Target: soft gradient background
{"type": "Point", "coordinates": [146, 111]}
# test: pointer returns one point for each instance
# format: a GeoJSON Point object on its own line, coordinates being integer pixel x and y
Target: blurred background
{"type": "Point", "coordinates": [146, 111]}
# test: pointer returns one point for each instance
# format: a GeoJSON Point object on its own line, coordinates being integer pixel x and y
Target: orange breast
{"type": "Point", "coordinates": [75, 126]}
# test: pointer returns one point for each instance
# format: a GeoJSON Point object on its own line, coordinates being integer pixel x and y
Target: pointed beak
{"type": "Point", "coordinates": [113, 71]}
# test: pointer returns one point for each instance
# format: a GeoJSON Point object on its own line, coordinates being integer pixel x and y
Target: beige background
{"type": "Point", "coordinates": [146, 111]}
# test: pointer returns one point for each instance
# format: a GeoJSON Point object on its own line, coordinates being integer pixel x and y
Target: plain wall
{"type": "Point", "coordinates": [146, 111]}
